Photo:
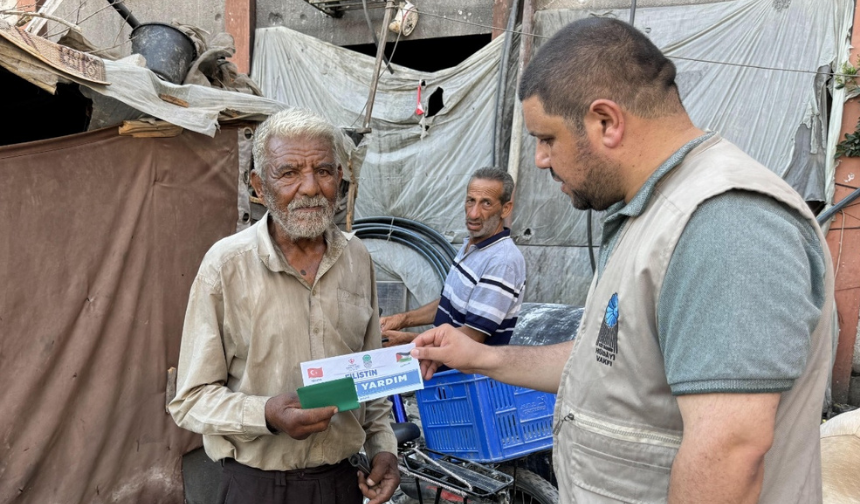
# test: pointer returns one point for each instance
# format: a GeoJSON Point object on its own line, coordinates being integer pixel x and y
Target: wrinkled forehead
{"type": "Point", "coordinates": [302, 140]}
{"type": "Point", "coordinates": [306, 148]}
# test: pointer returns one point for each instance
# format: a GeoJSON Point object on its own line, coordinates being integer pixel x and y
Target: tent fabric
{"type": "Point", "coordinates": [415, 167]}
{"type": "Point", "coordinates": [777, 117]}
{"type": "Point", "coordinates": [103, 235]}
{"type": "Point", "coordinates": [418, 167]}
{"type": "Point", "coordinates": [763, 111]}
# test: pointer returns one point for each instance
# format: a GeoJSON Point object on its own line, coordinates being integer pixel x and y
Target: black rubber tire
{"type": "Point", "coordinates": [531, 488]}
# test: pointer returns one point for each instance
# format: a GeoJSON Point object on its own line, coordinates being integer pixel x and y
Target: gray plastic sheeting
{"type": "Point", "coordinates": [777, 117]}
{"type": "Point", "coordinates": [418, 168]}
{"type": "Point", "coordinates": [414, 169]}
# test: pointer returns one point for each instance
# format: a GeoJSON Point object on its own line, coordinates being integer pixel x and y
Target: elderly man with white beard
{"type": "Point", "coordinates": [289, 289]}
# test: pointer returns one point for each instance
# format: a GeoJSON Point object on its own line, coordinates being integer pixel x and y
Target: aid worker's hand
{"type": "Point", "coordinates": [446, 345]}
{"type": "Point", "coordinates": [285, 414]}
{"type": "Point", "coordinates": [383, 479]}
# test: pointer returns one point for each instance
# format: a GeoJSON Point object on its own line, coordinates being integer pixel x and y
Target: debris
{"type": "Point", "coordinates": [174, 100]}
{"type": "Point", "coordinates": [65, 59]}
{"type": "Point", "coordinates": [149, 128]}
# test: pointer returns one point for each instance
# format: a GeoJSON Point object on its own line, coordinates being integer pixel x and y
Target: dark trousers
{"type": "Point", "coordinates": [331, 484]}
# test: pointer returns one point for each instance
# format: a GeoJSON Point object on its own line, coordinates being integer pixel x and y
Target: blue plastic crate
{"type": "Point", "coordinates": [483, 420]}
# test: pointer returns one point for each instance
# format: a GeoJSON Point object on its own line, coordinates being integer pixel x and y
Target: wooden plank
{"type": "Point", "coordinates": [351, 195]}
{"type": "Point", "coordinates": [501, 12]}
{"type": "Point", "coordinates": [174, 100]}
{"type": "Point", "coordinates": [48, 8]}
{"type": "Point", "coordinates": [149, 128]}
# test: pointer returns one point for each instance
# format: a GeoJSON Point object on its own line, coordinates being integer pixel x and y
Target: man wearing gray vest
{"type": "Point", "coordinates": [699, 369]}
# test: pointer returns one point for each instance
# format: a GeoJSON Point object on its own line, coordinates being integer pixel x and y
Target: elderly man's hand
{"type": "Point", "coordinates": [285, 413]}
{"type": "Point", "coordinates": [397, 338]}
{"type": "Point", "coordinates": [393, 322]}
{"type": "Point", "coordinates": [384, 477]}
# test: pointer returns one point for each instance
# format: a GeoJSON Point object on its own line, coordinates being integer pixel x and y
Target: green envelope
{"type": "Point", "coordinates": [340, 393]}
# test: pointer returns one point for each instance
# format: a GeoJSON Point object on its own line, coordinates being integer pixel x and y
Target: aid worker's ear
{"type": "Point", "coordinates": [605, 121]}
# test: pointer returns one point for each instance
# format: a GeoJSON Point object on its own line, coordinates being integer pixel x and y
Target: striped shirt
{"type": "Point", "coordinates": [484, 289]}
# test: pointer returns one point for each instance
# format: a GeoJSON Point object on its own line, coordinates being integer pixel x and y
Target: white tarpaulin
{"type": "Point", "coordinates": [419, 170]}
{"type": "Point", "coordinates": [139, 88]}
{"type": "Point", "coordinates": [412, 169]}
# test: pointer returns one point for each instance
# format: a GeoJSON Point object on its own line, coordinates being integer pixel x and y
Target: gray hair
{"type": "Point", "coordinates": [499, 175]}
{"type": "Point", "coordinates": [294, 123]}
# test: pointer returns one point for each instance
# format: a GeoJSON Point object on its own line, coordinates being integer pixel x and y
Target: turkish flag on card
{"type": "Point", "coordinates": [315, 372]}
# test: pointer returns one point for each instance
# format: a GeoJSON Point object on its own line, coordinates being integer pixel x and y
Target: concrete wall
{"type": "Point", "coordinates": [464, 16]}
{"type": "Point", "coordinates": [103, 26]}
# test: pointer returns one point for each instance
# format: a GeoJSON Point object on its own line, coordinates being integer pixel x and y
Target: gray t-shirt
{"type": "Point", "coordinates": [745, 264]}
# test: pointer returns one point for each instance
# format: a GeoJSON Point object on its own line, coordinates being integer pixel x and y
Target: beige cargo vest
{"type": "Point", "coordinates": [618, 426]}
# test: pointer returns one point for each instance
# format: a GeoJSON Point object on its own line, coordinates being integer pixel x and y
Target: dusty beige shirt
{"type": "Point", "coordinates": [251, 320]}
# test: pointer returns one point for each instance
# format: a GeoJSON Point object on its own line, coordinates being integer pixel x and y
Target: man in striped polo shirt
{"type": "Point", "coordinates": [484, 289]}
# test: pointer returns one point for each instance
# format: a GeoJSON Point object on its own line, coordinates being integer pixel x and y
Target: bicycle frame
{"type": "Point", "coordinates": [459, 477]}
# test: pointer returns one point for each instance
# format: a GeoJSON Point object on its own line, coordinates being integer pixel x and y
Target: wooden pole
{"type": "Point", "coordinates": [380, 51]}
{"type": "Point", "coordinates": [352, 192]}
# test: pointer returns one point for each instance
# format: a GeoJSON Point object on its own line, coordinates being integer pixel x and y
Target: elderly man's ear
{"type": "Point", "coordinates": [257, 183]}
{"type": "Point", "coordinates": [507, 208]}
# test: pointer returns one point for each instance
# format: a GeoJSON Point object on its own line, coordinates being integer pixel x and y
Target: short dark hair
{"type": "Point", "coordinates": [598, 58]}
{"type": "Point", "coordinates": [499, 175]}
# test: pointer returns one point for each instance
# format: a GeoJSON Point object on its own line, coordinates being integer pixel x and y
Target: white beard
{"type": "Point", "coordinates": [301, 225]}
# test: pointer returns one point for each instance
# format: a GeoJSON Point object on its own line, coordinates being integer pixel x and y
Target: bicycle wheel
{"type": "Point", "coordinates": [531, 488]}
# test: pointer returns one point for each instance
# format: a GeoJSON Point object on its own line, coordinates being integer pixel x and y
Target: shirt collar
{"type": "Point", "coordinates": [640, 200]}
{"type": "Point", "coordinates": [273, 258]}
{"type": "Point", "coordinates": [505, 232]}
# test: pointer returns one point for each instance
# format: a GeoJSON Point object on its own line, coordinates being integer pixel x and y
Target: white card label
{"type": "Point", "coordinates": [377, 373]}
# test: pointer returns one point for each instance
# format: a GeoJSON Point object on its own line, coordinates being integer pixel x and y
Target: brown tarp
{"type": "Point", "coordinates": [100, 239]}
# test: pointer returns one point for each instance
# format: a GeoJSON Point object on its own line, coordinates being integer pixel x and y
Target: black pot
{"type": "Point", "coordinates": [168, 51]}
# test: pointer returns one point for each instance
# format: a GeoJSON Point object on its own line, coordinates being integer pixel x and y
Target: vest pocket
{"type": "Point", "coordinates": [620, 462]}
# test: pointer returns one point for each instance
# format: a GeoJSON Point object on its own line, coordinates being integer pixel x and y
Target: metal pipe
{"type": "Point", "coordinates": [125, 13]}
{"type": "Point", "coordinates": [517, 125]}
{"type": "Point", "coordinates": [632, 12]}
{"type": "Point", "coordinates": [501, 85]}
{"type": "Point", "coordinates": [380, 51]}
{"type": "Point", "coordinates": [428, 233]}
{"type": "Point", "coordinates": [827, 214]}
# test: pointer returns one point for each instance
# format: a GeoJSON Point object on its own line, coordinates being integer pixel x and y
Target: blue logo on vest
{"type": "Point", "coordinates": [607, 338]}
